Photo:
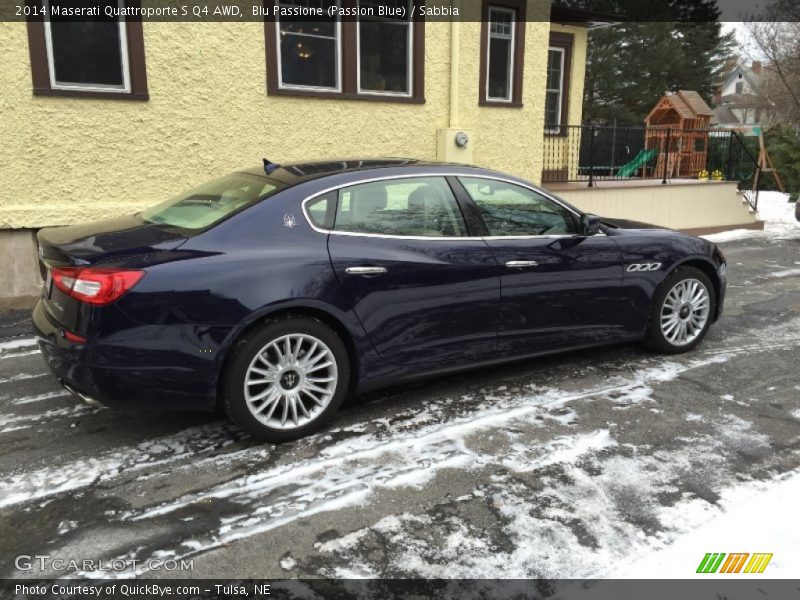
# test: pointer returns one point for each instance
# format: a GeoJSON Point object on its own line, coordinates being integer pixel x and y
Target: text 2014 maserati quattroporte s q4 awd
{"type": "Point", "coordinates": [276, 292]}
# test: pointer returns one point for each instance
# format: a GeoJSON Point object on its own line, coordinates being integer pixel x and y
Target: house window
{"type": "Point", "coordinates": [309, 51]}
{"type": "Point", "coordinates": [385, 50]}
{"type": "Point", "coordinates": [739, 87]}
{"type": "Point", "coordinates": [362, 56]}
{"type": "Point", "coordinates": [502, 53]}
{"type": "Point", "coordinates": [556, 103]}
{"type": "Point", "coordinates": [555, 89]}
{"type": "Point", "coordinates": [87, 55]}
{"type": "Point", "coordinates": [74, 56]}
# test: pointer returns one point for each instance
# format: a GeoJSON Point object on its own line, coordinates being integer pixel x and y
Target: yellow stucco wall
{"type": "Point", "coordinates": [561, 153]}
{"type": "Point", "coordinates": [66, 160]}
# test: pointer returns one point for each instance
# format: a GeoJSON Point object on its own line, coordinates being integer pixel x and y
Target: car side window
{"type": "Point", "coordinates": [509, 209]}
{"type": "Point", "coordinates": [413, 206]}
{"type": "Point", "coordinates": [321, 210]}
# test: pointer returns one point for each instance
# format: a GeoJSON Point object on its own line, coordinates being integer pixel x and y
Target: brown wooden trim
{"type": "Point", "coordinates": [49, 92]}
{"type": "Point", "coordinates": [418, 35]}
{"type": "Point", "coordinates": [757, 226]}
{"type": "Point", "coordinates": [40, 69]}
{"type": "Point", "coordinates": [346, 96]}
{"type": "Point", "coordinates": [554, 175]}
{"type": "Point", "coordinates": [37, 48]}
{"type": "Point", "coordinates": [271, 50]}
{"type": "Point", "coordinates": [520, 6]}
{"type": "Point", "coordinates": [349, 36]}
{"type": "Point", "coordinates": [349, 57]}
{"type": "Point", "coordinates": [565, 41]}
{"type": "Point", "coordinates": [137, 62]}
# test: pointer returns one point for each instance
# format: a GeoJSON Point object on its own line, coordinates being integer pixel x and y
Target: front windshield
{"type": "Point", "coordinates": [211, 202]}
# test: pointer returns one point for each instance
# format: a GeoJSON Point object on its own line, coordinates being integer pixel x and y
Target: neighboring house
{"type": "Point", "coordinates": [739, 98]}
{"type": "Point", "coordinates": [106, 119]}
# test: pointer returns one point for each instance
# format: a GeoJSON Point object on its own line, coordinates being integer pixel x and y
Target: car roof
{"type": "Point", "coordinates": [295, 173]}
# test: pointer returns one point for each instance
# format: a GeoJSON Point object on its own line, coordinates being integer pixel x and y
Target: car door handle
{"type": "Point", "coordinates": [521, 264]}
{"type": "Point", "coordinates": [365, 270]}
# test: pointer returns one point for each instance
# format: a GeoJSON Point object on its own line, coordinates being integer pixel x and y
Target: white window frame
{"type": "Point", "coordinates": [560, 89]}
{"type": "Point", "coordinates": [88, 87]}
{"type": "Point", "coordinates": [310, 88]}
{"type": "Point", "coordinates": [512, 52]}
{"type": "Point", "coordinates": [409, 58]}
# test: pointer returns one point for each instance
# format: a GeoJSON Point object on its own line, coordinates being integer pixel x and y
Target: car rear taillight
{"type": "Point", "coordinates": [94, 285]}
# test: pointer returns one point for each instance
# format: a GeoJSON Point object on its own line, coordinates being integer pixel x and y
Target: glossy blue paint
{"type": "Point", "coordinates": [443, 303]}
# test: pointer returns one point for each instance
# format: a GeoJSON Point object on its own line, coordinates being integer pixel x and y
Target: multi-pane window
{"type": "Point", "coordinates": [88, 55]}
{"type": "Point", "coordinates": [502, 53]}
{"type": "Point", "coordinates": [500, 59]}
{"type": "Point", "coordinates": [97, 56]}
{"type": "Point", "coordinates": [555, 90]}
{"type": "Point", "coordinates": [556, 103]}
{"type": "Point", "coordinates": [385, 49]}
{"type": "Point", "coordinates": [309, 51]}
{"type": "Point", "coordinates": [374, 50]}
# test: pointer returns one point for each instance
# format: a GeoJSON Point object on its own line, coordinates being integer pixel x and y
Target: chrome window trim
{"type": "Point", "coordinates": [311, 224]}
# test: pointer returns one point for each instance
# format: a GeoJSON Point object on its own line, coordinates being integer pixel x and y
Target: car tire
{"type": "Point", "coordinates": [681, 313]}
{"type": "Point", "coordinates": [279, 392]}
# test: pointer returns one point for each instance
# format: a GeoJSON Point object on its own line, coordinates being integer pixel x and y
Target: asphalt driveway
{"type": "Point", "coordinates": [579, 465]}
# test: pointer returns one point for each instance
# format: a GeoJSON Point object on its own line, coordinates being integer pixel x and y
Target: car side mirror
{"type": "Point", "coordinates": [590, 224]}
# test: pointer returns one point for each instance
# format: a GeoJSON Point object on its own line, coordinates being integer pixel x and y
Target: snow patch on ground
{"type": "Point", "coordinates": [17, 422]}
{"type": "Point", "coordinates": [762, 513]}
{"type": "Point", "coordinates": [786, 273]}
{"type": "Point", "coordinates": [21, 377]}
{"type": "Point", "coordinates": [599, 508]}
{"type": "Point", "coordinates": [17, 343]}
{"type": "Point", "coordinates": [350, 472]}
{"type": "Point", "coordinates": [40, 397]}
{"type": "Point", "coordinates": [777, 213]}
{"type": "Point", "coordinates": [48, 481]}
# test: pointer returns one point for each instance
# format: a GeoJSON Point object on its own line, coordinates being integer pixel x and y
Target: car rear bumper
{"type": "Point", "coordinates": [109, 376]}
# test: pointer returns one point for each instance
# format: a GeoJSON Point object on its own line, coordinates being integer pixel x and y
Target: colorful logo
{"type": "Point", "coordinates": [716, 562]}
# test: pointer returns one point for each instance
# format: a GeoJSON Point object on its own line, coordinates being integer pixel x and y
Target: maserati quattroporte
{"type": "Point", "coordinates": [277, 291]}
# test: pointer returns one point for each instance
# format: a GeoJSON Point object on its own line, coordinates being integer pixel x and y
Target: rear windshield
{"type": "Point", "coordinates": [211, 202]}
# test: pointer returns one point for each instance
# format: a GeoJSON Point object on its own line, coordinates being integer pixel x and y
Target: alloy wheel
{"type": "Point", "coordinates": [685, 312]}
{"type": "Point", "coordinates": [290, 381]}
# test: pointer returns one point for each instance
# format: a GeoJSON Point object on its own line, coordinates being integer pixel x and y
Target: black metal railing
{"type": "Point", "coordinates": [593, 154]}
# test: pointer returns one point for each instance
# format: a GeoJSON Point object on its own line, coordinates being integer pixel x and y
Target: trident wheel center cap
{"type": "Point", "coordinates": [290, 379]}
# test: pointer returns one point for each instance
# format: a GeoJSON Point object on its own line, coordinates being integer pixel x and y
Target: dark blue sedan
{"type": "Point", "coordinates": [276, 292]}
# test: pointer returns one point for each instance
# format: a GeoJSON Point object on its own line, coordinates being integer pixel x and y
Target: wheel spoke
{"type": "Point", "coordinates": [316, 400]}
{"type": "Point", "coordinates": [285, 409]}
{"type": "Point", "coordinates": [318, 367]}
{"type": "Point", "coordinates": [301, 406]}
{"type": "Point", "coordinates": [272, 399]}
{"type": "Point", "coordinates": [293, 407]}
